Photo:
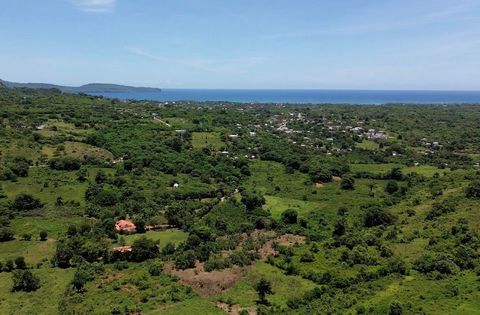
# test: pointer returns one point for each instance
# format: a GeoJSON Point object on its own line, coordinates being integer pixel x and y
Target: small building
{"type": "Point", "coordinates": [125, 226]}
{"type": "Point", "coordinates": [176, 185]}
{"type": "Point", "coordinates": [123, 249]}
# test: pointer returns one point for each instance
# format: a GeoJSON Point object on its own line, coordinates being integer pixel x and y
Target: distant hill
{"type": "Point", "coordinates": [87, 88]}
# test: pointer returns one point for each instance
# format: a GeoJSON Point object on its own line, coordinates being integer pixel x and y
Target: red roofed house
{"type": "Point", "coordinates": [123, 249]}
{"type": "Point", "coordinates": [125, 226]}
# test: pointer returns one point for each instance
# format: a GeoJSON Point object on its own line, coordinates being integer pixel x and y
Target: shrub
{"type": "Point", "coordinates": [347, 183]}
{"type": "Point", "coordinates": [392, 187]}
{"type": "Point", "coordinates": [43, 235]}
{"type": "Point", "coordinates": [216, 262]}
{"type": "Point", "coordinates": [185, 260]}
{"type": "Point", "coordinates": [25, 280]}
{"type": "Point", "coordinates": [289, 216]}
{"type": "Point", "coordinates": [263, 287]}
{"type": "Point", "coordinates": [20, 263]}
{"type": "Point", "coordinates": [440, 208]}
{"type": "Point", "coordinates": [375, 216]}
{"type": "Point", "coordinates": [307, 257]}
{"type": "Point", "coordinates": [65, 164]}
{"type": "Point", "coordinates": [395, 309]}
{"type": "Point", "coordinates": [155, 268]}
{"type": "Point", "coordinates": [441, 263]}
{"type": "Point", "coordinates": [6, 234]}
{"type": "Point", "coordinates": [25, 202]}
{"type": "Point", "coordinates": [473, 190]}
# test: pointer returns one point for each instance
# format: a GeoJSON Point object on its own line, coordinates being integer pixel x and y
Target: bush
{"type": "Point", "coordinates": [347, 183]}
{"type": "Point", "coordinates": [395, 309]}
{"type": "Point", "coordinates": [155, 268]}
{"type": "Point", "coordinates": [216, 262]}
{"type": "Point", "coordinates": [473, 190]}
{"type": "Point", "coordinates": [392, 187]}
{"type": "Point", "coordinates": [307, 257]}
{"type": "Point", "coordinates": [6, 234]}
{"type": "Point", "coordinates": [375, 216]}
{"type": "Point", "coordinates": [25, 202]}
{"type": "Point", "coordinates": [43, 235]}
{"type": "Point", "coordinates": [441, 263]}
{"type": "Point", "coordinates": [289, 216]}
{"type": "Point", "coordinates": [185, 260]}
{"type": "Point", "coordinates": [440, 208]}
{"type": "Point", "coordinates": [65, 164]}
{"type": "Point", "coordinates": [25, 280]}
{"type": "Point", "coordinates": [20, 263]}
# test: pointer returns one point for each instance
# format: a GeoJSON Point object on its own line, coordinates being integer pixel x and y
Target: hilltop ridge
{"type": "Point", "coordinates": [86, 88]}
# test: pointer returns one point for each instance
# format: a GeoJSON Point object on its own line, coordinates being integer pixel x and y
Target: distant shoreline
{"type": "Point", "coordinates": [351, 97]}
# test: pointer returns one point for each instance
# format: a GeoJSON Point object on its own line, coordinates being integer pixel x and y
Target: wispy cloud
{"type": "Point", "coordinates": [383, 24]}
{"type": "Point", "coordinates": [233, 65]}
{"type": "Point", "coordinates": [97, 6]}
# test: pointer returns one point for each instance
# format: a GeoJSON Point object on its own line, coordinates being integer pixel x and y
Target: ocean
{"type": "Point", "coordinates": [360, 97]}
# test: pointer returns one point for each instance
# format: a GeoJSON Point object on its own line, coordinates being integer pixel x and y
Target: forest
{"type": "Point", "coordinates": [112, 206]}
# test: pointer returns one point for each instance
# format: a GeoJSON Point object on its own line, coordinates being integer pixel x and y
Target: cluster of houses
{"type": "Point", "coordinates": [430, 146]}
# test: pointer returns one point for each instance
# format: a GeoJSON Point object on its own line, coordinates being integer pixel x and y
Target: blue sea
{"type": "Point", "coordinates": [306, 96]}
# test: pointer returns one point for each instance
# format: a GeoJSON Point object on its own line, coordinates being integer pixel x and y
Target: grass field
{"type": "Point", "coordinates": [54, 226]}
{"type": "Point", "coordinates": [425, 170]}
{"type": "Point", "coordinates": [34, 251]}
{"type": "Point", "coordinates": [131, 290]}
{"type": "Point", "coordinates": [283, 191]}
{"type": "Point", "coordinates": [78, 150]}
{"type": "Point", "coordinates": [169, 236]}
{"type": "Point", "coordinates": [44, 301]}
{"type": "Point", "coordinates": [368, 145]}
{"type": "Point", "coordinates": [285, 287]}
{"type": "Point", "coordinates": [190, 307]}
{"type": "Point", "coordinates": [207, 139]}
{"type": "Point", "coordinates": [47, 185]}
{"type": "Point", "coordinates": [277, 205]}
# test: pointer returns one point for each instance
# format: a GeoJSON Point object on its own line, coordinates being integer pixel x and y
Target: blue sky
{"type": "Point", "coordinates": [344, 44]}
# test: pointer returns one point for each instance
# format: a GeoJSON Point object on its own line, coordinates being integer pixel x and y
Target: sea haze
{"type": "Point", "coordinates": [306, 96]}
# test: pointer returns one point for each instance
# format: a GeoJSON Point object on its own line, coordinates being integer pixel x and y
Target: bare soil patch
{"type": "Point", "coordinates": [215, 282]}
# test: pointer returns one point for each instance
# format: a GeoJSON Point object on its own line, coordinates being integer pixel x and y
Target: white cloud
{"type": "Point", "coordinates": [98, 6]}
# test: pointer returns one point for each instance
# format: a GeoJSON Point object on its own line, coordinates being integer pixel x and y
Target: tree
{"type": "Point", "coordinates": [392, 187]}
{"type": "Point", "coordinates": [82, 175]}
{"type": "Point", "coordinates": [25, 202]}
{"type": "Point", "coordinates": [81, 277]}
{"type": "Point", "coordinates": [347, 182]}
{"type": "Point", "coordinates": [289, 216]}
{"type": "Point", "coordinates": [473, 190]}
{"type": "Point", "coordinates": [101, 177]}
{"type": "Point", "coordinates": [375, 216]}
{"type": "Point", "coordinates": [185, 260]}
{"type": "Point", "coordinates": [25, 280]}
{"type": "Point", "coordinates": [252, 201]}
{"type": "Point", "coordinates": [20, 166]}
{"type": "Point", "coordinates": [143, 249]}
{"type": "Point", "coordinates": [395, 309]}
{"type": "Point", "coordinates": [65, 164]}
{"type": "Point", "coordinates": [6, 234]}
{"type": "Point", "coordinates": [395, 173]}
{"type": "Point", "coordinates": [339, 227]}
{"type": "Point", "coordinates": [43, 235]}
{"type": "Point", "coordinates": [139, 225]}
{"type": "Point", "coordinates": [263, 287]}
{"type": "Point", "coordinates": [20, 263]}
